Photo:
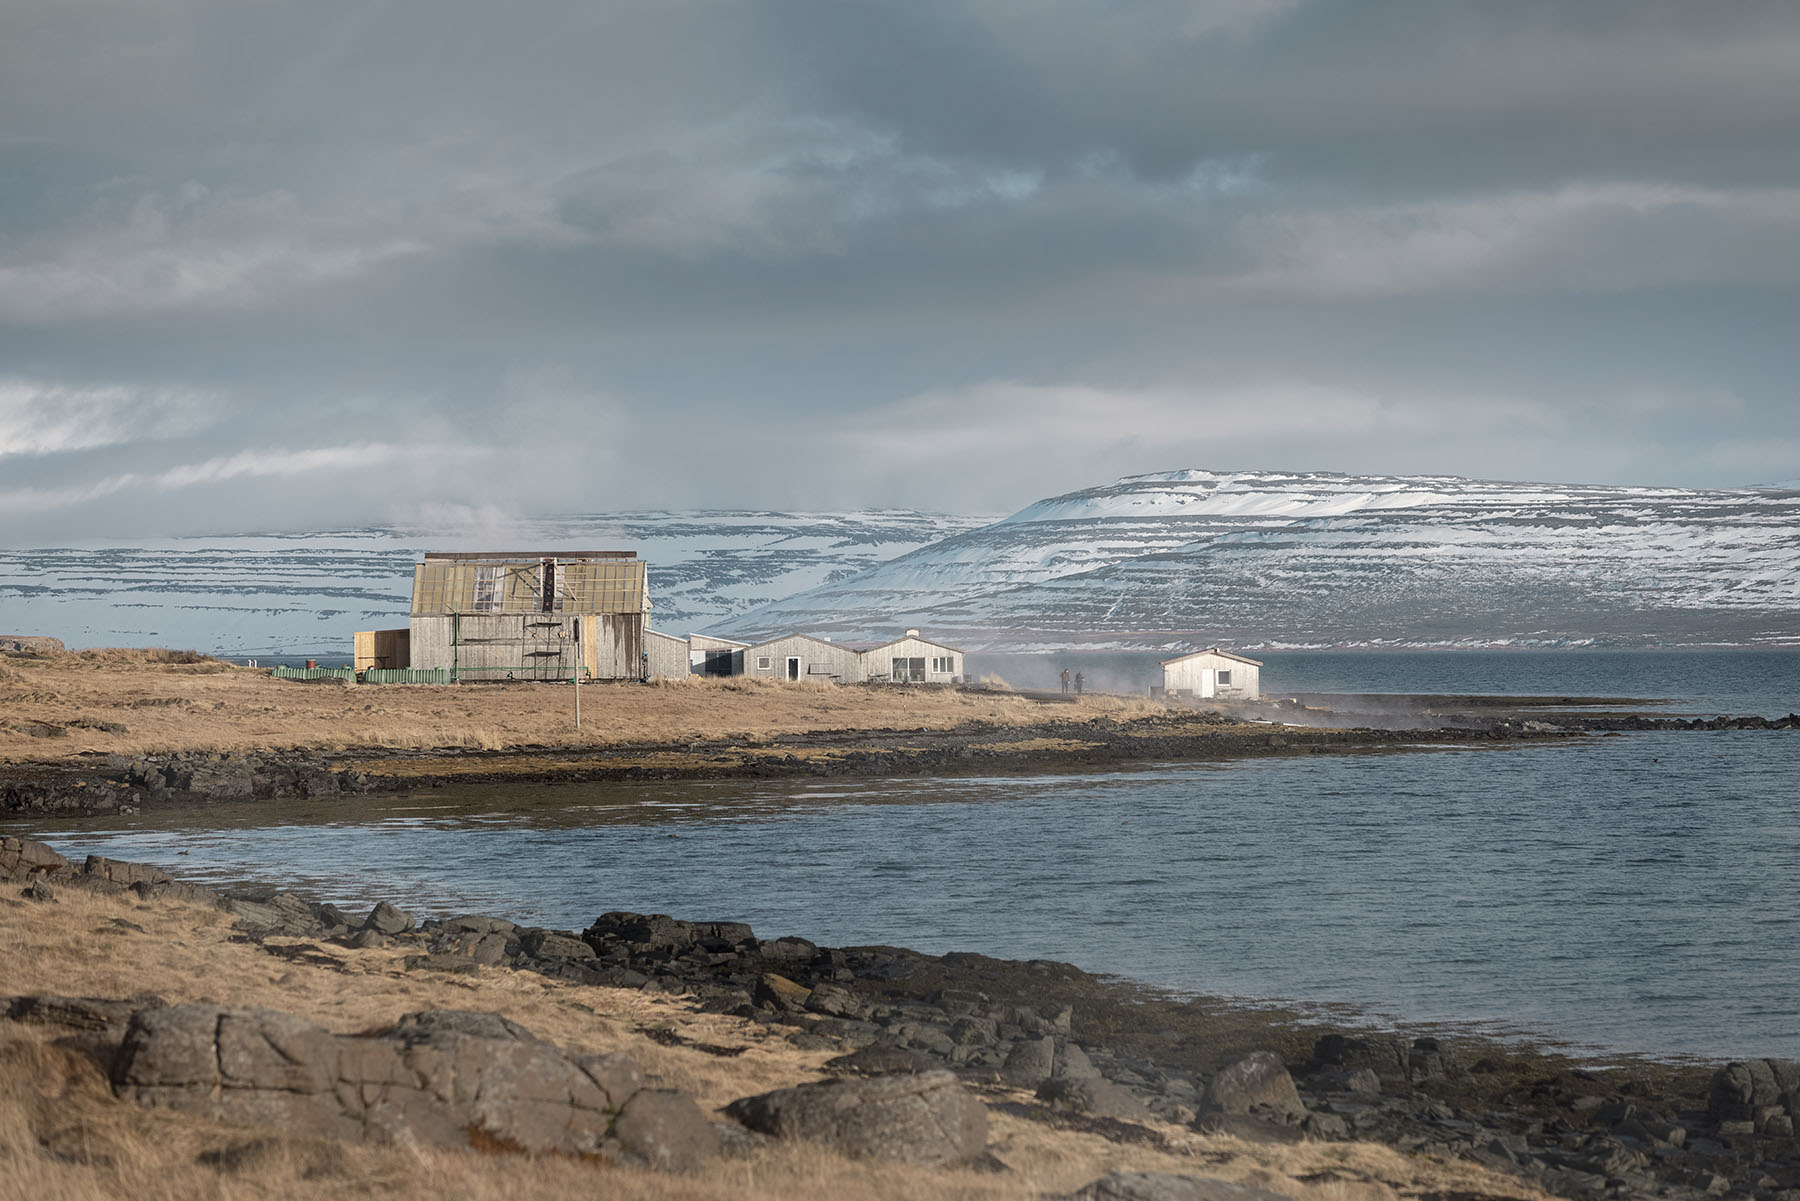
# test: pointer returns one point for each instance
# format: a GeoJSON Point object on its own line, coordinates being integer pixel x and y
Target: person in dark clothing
{"type": "Point", "coordinates": [1077, 683]}
{"type": "Point", "coordinates": [1065, 681]}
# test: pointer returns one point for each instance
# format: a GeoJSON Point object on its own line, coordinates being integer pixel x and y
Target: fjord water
{"type": "Point", "coordinates": [1627, 893]}
{"type": "Point", "coordinates": [1738, 682]}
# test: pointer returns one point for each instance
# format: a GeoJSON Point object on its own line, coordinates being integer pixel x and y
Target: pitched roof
{"type": "Point", "coordinates": [918, 638]}
{"type": "Point", "coordinates": [1213, 650]}
{"type": "Point", "coordinates": [836, 646]}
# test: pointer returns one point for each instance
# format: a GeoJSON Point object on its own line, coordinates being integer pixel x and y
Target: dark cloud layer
{"type": "Point", "coordinates": [298, 263]}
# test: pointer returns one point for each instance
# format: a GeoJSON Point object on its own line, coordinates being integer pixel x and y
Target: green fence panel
{"type": "Point", "coordinates": [313, 673]}
{"type": "Point", "coordinates": [406, 675]}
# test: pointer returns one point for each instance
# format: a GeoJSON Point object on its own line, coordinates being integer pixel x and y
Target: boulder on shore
{"type": "Point", "coordinates": [928, 1118]}
{"type": "Point", "coordinates": [1257, 1084]}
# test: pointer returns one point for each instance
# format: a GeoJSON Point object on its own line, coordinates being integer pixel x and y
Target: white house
{"type": "Point", "coordinates": [1213, 673]}
{"type": "Point", "coordinates": [803, 657]}
{"type": "Point", "coordinates": [912, 660]}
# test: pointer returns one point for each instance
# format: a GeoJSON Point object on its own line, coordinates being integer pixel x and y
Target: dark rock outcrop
{"type": "Point", "coordinates": [1257, 1085]}
{"type": "Point", "coordinates": [21, 859]}
{"type": "Point", "coordinates": [1758, 1096]}
{"type": "Point", "coordinates": [928, 1118]}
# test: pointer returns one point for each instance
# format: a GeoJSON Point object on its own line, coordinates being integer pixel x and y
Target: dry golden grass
{"type": "Point", "coordinates": [179, 701]}
{"type": "Point", "coordinates": [64, 1138]}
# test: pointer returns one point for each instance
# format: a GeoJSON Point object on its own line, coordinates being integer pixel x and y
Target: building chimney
{"type": "Point", "coordinates": [912, 633]}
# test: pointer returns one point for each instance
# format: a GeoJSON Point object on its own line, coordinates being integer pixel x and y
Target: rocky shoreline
{"type": "Point", "coordinates": [1096, 1055]}
{"type": "Point", "coordinates": [110, 784]}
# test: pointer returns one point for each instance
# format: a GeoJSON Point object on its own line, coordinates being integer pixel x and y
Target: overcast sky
{"type": "Point", "coordinates": [301, 262]}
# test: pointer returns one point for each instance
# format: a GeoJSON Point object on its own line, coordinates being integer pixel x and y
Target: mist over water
{"type": "Point", "coordinates": [1738, 682]}
{"type": "Point", "coordinates": [1626, 893]}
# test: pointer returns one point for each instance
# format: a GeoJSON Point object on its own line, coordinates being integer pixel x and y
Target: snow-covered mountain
{"type": "Point", "coordinates": [306, 593]}
{"type": "Point", "coordinates": [1272, 559]}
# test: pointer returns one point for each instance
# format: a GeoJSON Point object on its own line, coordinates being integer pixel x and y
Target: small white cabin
{"type": "Point", "coordinates": [912, 660]}
{"type": "Point", "coordinates": [1213, 673]}
{"type": "Point", "coordinates": [803, 657]}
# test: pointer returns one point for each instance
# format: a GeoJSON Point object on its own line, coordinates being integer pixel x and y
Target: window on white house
{"type": "Point", "coordinates": [1224, 679]}
{"type": "Point", "coordinates": [763, 662]}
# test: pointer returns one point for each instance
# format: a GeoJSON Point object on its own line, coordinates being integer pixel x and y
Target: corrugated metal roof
{"type": "Point", "coordinates": [443, 586]}
{"type": "Point", "coordinates": [524, 556]}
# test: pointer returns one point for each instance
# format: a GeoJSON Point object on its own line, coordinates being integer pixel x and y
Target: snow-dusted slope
{"type": "Point", "coordinates": [1266, 559]}
{"type": "Point", "coordinates": [305, 593]}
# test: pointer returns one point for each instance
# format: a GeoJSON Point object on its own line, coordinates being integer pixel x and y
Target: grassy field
{"type": "Point", "coordinates": [169, 701]}
{"type": "Point", "coordinates": [63, 1137]}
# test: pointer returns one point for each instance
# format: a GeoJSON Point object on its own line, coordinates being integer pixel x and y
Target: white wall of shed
{"type": "Point", "coordinates": [1198, 675]}
{"type": "Point", "coordinates": [878, 664]}
{"type": "Point", "coordinates": [818, 660]}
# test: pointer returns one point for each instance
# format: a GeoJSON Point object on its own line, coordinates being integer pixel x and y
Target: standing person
{"type": "Point", "coordinates": [1077, 683]}
{"type": "Point", "coordinates": [1065, 681]}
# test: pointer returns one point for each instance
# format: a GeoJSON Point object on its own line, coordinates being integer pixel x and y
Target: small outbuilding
{"type": "Point", "coordinates": [803, 657]}
{"type": "Point", "coordinates": [912, 659]}
{"type": "Point", "coordinates": [713, 656]}
{"type": "Point", "coordinates": [1213, 673]}
{"type": "Point", "coordinates": [666, 655]}
{"type": "Point", "coordinates": [382, 650]}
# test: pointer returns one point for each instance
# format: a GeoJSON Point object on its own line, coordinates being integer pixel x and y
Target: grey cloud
{"type": "Point", "coordinates": [538, 240]}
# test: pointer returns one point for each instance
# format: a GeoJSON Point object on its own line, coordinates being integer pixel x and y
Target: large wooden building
{"type": "Point", "coordinates": [524, 616]}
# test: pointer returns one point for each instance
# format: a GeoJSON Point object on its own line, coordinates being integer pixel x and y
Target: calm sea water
{"type": "Point", "coordinates": [1740, 682]}
{"type": "Point", "coordinates": [1632, 893]}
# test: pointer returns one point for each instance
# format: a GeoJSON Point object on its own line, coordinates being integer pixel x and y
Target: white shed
{"type": "Point", "coordinates": [1213, 673]}
{"type": "Point", "coordinates": [803, 657]}
{"type": "Point", "coordinates": [912, 660]}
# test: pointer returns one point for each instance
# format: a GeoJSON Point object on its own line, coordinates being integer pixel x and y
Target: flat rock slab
{"type": "Point", "coordinates": [449, 1077]}
{"type": "Point", "coordinates": [928, 1118]}
{"type": "Point", "coordinates": [1163, 1186]}
{"type": "Point", "coordinates": [1096, 1097]}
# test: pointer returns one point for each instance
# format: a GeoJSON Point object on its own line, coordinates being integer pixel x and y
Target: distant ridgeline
{"type": "Point", "coordinates": [306, 593]}
{"type": "Point", "coordinates": [1168, 562]}
{"type": "Point", "coordinates": [1260, 559]}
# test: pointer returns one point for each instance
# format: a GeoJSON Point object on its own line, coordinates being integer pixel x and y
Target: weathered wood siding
{"type": "Point", "coordinates": [530, 646]}
{"type": "Point", "coordinates": [942, 664]}
{"type": "Point", "coordinates": [383, 649]}
{"type": "Point", "coordinates": [668, 655]}
{"type": "Point", "coordinates": [819, 660]}
{"type": "Point", "coordinates": [1198, 676]}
